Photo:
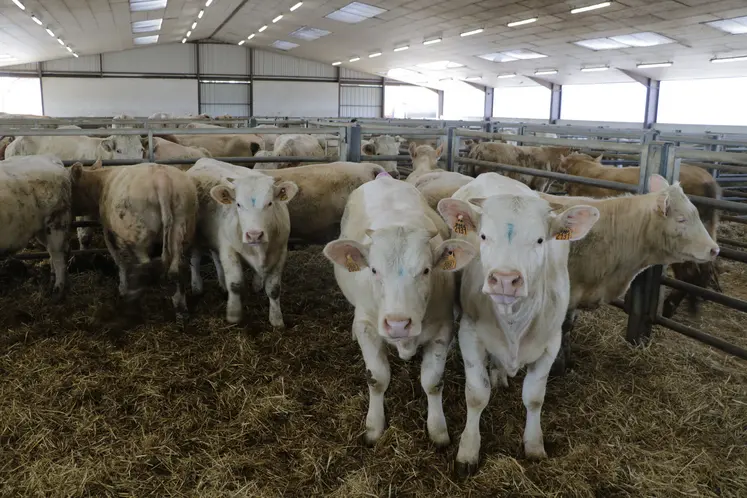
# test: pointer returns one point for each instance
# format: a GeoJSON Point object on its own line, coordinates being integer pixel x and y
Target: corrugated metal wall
{"type": "Point", "coordinates": [350, 74]}
{"type": "Point", "coordinates": [225, 98]}
{"type": "Point", "coordinates": [176, 58]}
{"type": "Point", "coordinates": [223, 60]}
{"type": "Point", "coordinates": [272, 64]}
{"type": "Point", "coordinates": [83, 64]}
{"type": "Point", "coordinates": [31, 67]}
{"type": "Point", "coordinates": [362, 101]}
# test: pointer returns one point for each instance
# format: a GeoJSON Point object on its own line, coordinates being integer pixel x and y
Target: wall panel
{"type": "Point", "coordinates": [350, 74]}
{"type": "Point", "coordinates": [175, 58]}
{"type": "Point", "coordinates": [273, 64]}
{"type": "Point", "coordinates": [70, 97]}
{"type": "Point", "coordinates": [83, 64]}
{"type": "Point", "coordinates": [361, 101]}
{"type": "Point", "coordinates": [225, 98]}
{"type": "Point", "coordinates": [31, 67]}
{"type": "Point", "coordinates": [219, 59]}
{"type": "Point", "coordinates": [295, 98]}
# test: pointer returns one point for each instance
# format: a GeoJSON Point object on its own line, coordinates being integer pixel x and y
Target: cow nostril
{"type": "Point", "coordinates": [715, 251]}
{"type": "Point", "coordinates": [517, 282]}
{"type": "Point", "coordinates": [492, 280]}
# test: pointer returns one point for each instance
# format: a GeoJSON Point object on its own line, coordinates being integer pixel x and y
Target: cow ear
{"type": "Point", "coordinates": [657, 183]}
{"type": "Point", "coordinates": [458, 215]}
{"type": "Point", "coordinates": [439, 151]}
{"type": "Point", "coordinates": [413, 150]}
{"type": "Point", "coordinates": [285, 191]}
{"type": "Point", "coordinates": [76, 170]}
{"type": "Point", "coordinates": [369, 149]}
{"type": "Point", "coordinates": [574, 223]}
{"type": "Point", "coordinates": [108, 144]}
{"type": "Point", "coordinates": [98, 164]}
{"type": "Point", "coordinates": [144, 142]}
{"type": "Point", "coordinates": [599, 158]}
{"type": "Point", "coordinates": [254, 147]}
{"type": "Point", "coordinates": [453, 255]}
{"type": "Point", "coordinates": [347, 253]}
{"type": "Point", "coordinates": [224, 194]}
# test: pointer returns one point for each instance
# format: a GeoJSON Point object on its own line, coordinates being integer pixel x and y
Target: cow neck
{"type": "Point", "coordinates": [91, 188]}
{"type": "Point", "coordinates": [422, 165]}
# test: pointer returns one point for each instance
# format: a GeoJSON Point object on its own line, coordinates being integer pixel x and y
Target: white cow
{"type": "Point", "coordinates": [35, 201]}
{"type": "Point", "coordinates": [513, 296]}
{"type": "Point", "coordinates": [121, 117]}
{"type": "Point", "coordinates": [243, 215]}
{"type": "Point", "coordinates": [291, 146]}
{"type": "Point", "coordinates": [393, 266]}
{"type": "Point", "coordinates": [383, 145]}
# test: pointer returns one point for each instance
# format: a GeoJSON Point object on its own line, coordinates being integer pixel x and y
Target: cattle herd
{"type": "Point", "coordinates": [498, 254]}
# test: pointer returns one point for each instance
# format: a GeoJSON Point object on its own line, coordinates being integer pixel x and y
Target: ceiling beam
{"type": "Point", "coordinates": [230, 16]}
{"type": "Point", "coordinates": [543, 82]}
{"type": "Point", "coordinates": [480, 87]}
{"type": "Point", "coordinates": [643, 80]}
{"type": "Point", "coordinates": [652, 95]}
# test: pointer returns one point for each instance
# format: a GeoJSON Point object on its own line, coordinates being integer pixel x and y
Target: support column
{"type": "Point", "coordinates": [489, 99]}
{"type": "Point", "coordinates": [556, 102]}
{"type": "Point", "coordinates": [652, 103]}
{"type": "Point", "coordinates": [440, 103]}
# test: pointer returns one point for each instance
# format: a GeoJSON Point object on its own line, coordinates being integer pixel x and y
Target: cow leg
{"type": "Point", "coordinates": [219, 270]}
{"type": "Point", "coordinates": [684, 272]}
{"type": "Point", "coordinates": [85, 234]}
{"type": "Point", "coordinates": [477, 393]}
{"type": "Point", "coordinates": [377, 376]}
{"type": "Point", "coordinates": [194, 268]}
{"type": "Point", "coordinates": [179, 299]}
{"type": "Point", "coordinates": [258, 281]}
{"type": "Point", "coordinates": [563, 361]}
{"type": "Point", "coordinates": [111, 245]}
{"type": "Point", "coordinates": [533, 395]}
{"type": "Point", "coordinates": [272, 289]}
{"type": "Point", "coordinates": [431, 379]}
{"type": "Point", "coordinates": [56, 242]}
{"type": "Point", "coordinates": [498, 375]}
{"type": "Point", "coordinates": [234, 278]}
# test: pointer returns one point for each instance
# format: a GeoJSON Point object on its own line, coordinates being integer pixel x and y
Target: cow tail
{"type": "Point", "coordinates": [169, 250]}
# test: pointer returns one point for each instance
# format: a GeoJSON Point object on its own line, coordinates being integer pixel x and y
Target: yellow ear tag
{"type": "Point", "coordinates": [450, 262]}
{"type": "Point", "coordinates": [460, 227]}
{"type": "Point", "coordinates": [284, 197]}
{"type": "Point", "coordinates": [564, 234]}
{"type": "Point", "coordinates": [351, 265]}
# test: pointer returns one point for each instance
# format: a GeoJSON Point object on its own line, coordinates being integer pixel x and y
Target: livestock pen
{"type": "Point", "coordinates": [246, 410]}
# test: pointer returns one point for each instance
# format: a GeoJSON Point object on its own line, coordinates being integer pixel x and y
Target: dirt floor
{"type": "Point", "coordinates": [251, 411]}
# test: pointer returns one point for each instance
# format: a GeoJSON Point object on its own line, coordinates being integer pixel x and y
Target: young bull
{"type": "Point", "coordinates": [424, 161]}
{"type": "Point", "coordinates": [383, 145]}
{"type": "Point", "coordinates": [243, 217]}
{"type": "Point", "coordinates": [141, 207]}
{"type": "Point", "coordinates": [393, 265]}
{"type": "Point", "coordinates": [514, 297]}
{"type": "Point", "coordinates": [35, 201]}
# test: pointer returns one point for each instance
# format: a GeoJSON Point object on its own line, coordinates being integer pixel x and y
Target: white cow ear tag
{"type": "Point", "coordinates": [450, 262]}
{"type": "Point", "coordinates": [460, 227]}
{"type": "Point", "coordinates": [284, 197]}
{"type": "Point", "coordinates": [564, 234]}
{"type": "Point", "coordinates": [351, 265]}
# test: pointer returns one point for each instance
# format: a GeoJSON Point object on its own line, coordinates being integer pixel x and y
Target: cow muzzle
{"type": "Point", "coordinates": [254, 237]}
{"type": "Point", "coordinates": [504, 288]}
{"type": "Point", "coordinates": [398, 326]}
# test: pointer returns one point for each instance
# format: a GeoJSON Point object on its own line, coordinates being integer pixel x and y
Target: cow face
{"type": "Point", "coordinates": [516, 234]}
{"type": "Point", "coordinates": [122, 147]}
{"type": "Point", "coordinates": [684, 236]}
{"type": "Point", "coordinates": [257, 202]}
{"type": "Point", "coordinates": [384, 145]}
{"type": "Point", "coordinates": [400, 263]}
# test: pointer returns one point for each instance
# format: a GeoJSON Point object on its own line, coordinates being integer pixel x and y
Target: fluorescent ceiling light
{"type": "Point", "coordinates": [729, 59]}
{"type": "Point", "coordinates": [36, 20]}
{"type": "Point", "coordinates": [524, 54]}
{"type": "Point", "coordinates": [653, 64]}
{"type": "Point", "coordinates": [497, 57]}
{"type": "Point", "coordinates": [200, 14]}
{"type": "Point", "coordinates": [503, 76]}
{"type": "Point", "coordinates": [59, 40]}
{"type": "Point", "coordinates": [645, 39]}
{"type": "Point", "coordinates": [375, 54]}
{"type": "Point", "coordinates": [277, 18]}
{"type": "Point", "coordinates": [431, 42]}
{"type": "Point", "coordinates": [336, 63]}
{"type": "Point", "coordinates": [594, 69]}
{"type": "Point", "coordinates": [51, 33]}
{"type": "Point", "coordinates": [144, 5]}
{"type": "Point", "coordinates": [309, 34]}
{"type": "Point", "coordinates": [296, 6]}
{"type": "Point", "coordinates": [546, 72]}
{"type": "Point", "coordinates": [401, 49]}
{"type": "Point", "coordinates": [283, 45]}
{"type": "Point", "coordinates": [146, 26]}
{"type": "Point", "coordinates": [207, 4]}
{"type": "Point", "coordinates": [242, 42]}
{"type": "Point", "coordinates": [69, 49]}
{"type": "Point", "coordinates": [355, 59]}
{"type": "Point", "coordinates": [473, 32]}
{"type": "Point", "coordinates": [355, 12]}
{"type": "Point", "coordinates": [19, 4]}
{"type": "Point", "coordinates": [591, 7]}
{"type": "Point", "coordinates": [733, 26]}
{"type": "Point", "coordinates": [440, 65]}
{"type": "Point", "coordinates": [145, 40]}
{"type": "Point", "coordinates": [189, 33]}
{"type": "Point", "coordinates": [250, 36]}
{"type": "Point", "coordinates": [184, 40]}
{"type": "Point", "coordinates": [473, 78]}
{"type": "Point", "coordinates": [75, 55]}
{"type": "Point", "coordinates": [262, 28]}
{"type": "Point", "coordinates": [194, 25]}
{"type": "Point", "coordinates": [521, 23]}
{"type": "Point", "coordinates": [600, 44]}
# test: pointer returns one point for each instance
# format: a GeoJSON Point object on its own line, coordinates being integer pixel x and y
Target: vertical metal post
{"type": "Point", "coordinates": [440, 104]}
{"type": "Point", "coordinates": [452, 148]}
{"type": "Point", "coordinates": [556, 102]}
{"type": "Point", "coordinates": [487, 111]}
{"type": "Point", "coordinates": [252, 122]}
{"type": "Point", "coordinates": [41, 84]}
{"type": "Point", "coordinates": [197, 73]}
{"type": "Point", "coordinates": [652, 103]}
{"type": "Point", "coordinates": [342, 143]}
{"type": "Point", "coordinates": [354, 144]}
{"type": "Point", "coordinates": [151, 156]}
{"type": "Point", "coordinates": [251, 83]}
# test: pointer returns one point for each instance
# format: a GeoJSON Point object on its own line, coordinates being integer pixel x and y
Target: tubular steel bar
{"type": "Point", "coordinates": [45, 255]}
{"type": "Point", "coordinates": [733, 254]}
{"type": "Point", "coordinates": [625, 187]}
{"type": "Point", "coordinates": [561, 142]}
{"type": "Point", "coordinates": [708, 294]}
{"type": "Point", "coordinates": [731, 242]}
{"type": "Point", "coordinates": [406, 158]}
{"type": "Point", "coordinates": [248, 160]}
{"type": "Point", "coordinates": [161, 131]}
{"type": "Point", "coordinates": [698, 335]}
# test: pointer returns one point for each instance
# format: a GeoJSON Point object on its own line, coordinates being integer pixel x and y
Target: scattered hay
{"type": "Point", "coordinates": [250, 411]}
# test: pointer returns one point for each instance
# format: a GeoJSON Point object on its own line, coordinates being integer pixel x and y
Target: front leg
{"type": "Point", "coordinates": [219, 270]}
{"type": "Point", "coordinates": [272, 282]}
{"type": "Point", "coordinates": [533, 395]}
{"type": "Point", "coordinates": [194, 267]}
{"type": "Point", "coordinates": [477, 393]}
{"type": "Point", "coordinates": [431, 379]}
{"type": "Point", "coordinates": [234, 275]}
{"type": "Point", "coordinates": [110, 239]}
{"type": "Point", "coordinates": [378, 374]}
{"type": "Point", "coordinates": [563, 361]}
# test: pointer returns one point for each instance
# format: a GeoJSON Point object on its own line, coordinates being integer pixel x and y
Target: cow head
{"type": "Point", "coordinates": [259, 204]}
{"type": "Point", "coordinates": [683, 236]}
{"type": "Point", "coordinates": [383, 145]}
{"type": "Point", "coordinates": [425, 156]}
{"type": "Point", "coordinates": [401, 263]}
{"type": "Point", "coordinates": [121, 147]}
{"type": "Point", "coordinates": [516, 234]}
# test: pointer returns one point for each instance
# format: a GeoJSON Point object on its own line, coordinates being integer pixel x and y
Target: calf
{"type": "Point", "coordinates": [694, 181]}
{"type": "Point", "coordinates": [140, 207]}
{"type": "Point", "coordinates": [168, 149]}
{"type": "Point", "coordinates": [292, 146]}
{"type": "Point", "coordinates": [393, 266]}
{"type": "Point", "coordinates": [35, 202]}
{"type": "Point", "coordinates": [243, 217]}
{"type": "Point", "coordinates": [440, 185]}
{"type": "Point", "coordinates": [636, 232]}
{"type": "Point", "coordinates": [424, 160]}
{"type": "Point", "coordinates": [236, 145]}
{"type": "Point", "coordinates": [383, 145]}
{"type": "Point", "coordinates": [514, 297]}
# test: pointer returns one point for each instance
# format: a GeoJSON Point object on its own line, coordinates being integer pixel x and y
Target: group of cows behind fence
{"type": "Point", "coordinates": [511, 263]}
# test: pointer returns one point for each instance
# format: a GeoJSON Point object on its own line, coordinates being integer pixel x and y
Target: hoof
{"type": "Point", "coordinates": [535, 452]}
{"type": "Point", "coordinates": [371, 437]}
{"type": "Point", "coordinates": [233, 318]}
{"type": "Point", "coordinates": [442, 441]}
{"type": "Point", "coordinates": [466, 469]}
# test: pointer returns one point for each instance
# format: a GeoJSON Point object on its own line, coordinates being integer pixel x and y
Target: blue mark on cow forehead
{"type": "Point", "coordinates": [254, 201]}
{"type": "Point", "coordinates": [401, 271]}
{"type": "Point", "coordinates": [509, 231]}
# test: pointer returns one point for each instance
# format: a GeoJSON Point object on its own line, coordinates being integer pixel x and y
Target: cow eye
{"type": "Point", "coordinates": [269, 204]}
{"type": "Point", "coordinates": [426, 271]}
{"type": "Point", "coordinates": [373, 270]}
{"type": "Point", "coordinates": [238, 205]}
{"type": "Point", "coordinates": [540, 240]}
{"type": "Point", "coordinates": [482, 236]}
{"type": "Point", "coordinates": [119, 151]}
{"type": "Point", "coordinates": [681, 219]}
